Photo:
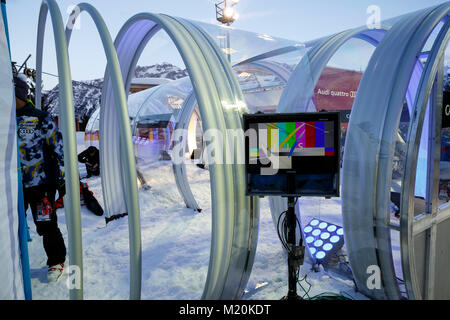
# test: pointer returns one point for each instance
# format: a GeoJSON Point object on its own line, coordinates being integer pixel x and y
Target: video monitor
{"type": "Point", "coordinates": [292, 154]}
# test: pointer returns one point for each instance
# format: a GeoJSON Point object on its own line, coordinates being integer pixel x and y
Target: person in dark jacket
{"type": "Point", "coordinates": [39, 141]}
{"type": "Point", "coordinates": [91, 158]}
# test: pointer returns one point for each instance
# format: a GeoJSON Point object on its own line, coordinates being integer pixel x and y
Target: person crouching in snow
{"type": "Point", "coordinates": [39, 140]}
{"type": "Point", "coordinates": [91, 158]}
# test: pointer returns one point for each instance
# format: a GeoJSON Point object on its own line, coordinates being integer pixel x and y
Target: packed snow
{"type": "Point", "coordinates": [175, 246]}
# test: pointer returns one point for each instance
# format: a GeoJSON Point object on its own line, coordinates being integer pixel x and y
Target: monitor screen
{"type": "Point", "coordinates": [293, 154]}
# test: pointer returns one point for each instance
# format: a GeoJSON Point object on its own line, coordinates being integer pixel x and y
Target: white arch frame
{"type": "Point", "coordinates": [67, 124]}
{"type": "Point", "coordinates": [234, 229]}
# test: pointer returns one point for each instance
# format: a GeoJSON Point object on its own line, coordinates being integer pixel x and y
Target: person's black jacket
{"type": "Point", "coordinates": [85, 156]}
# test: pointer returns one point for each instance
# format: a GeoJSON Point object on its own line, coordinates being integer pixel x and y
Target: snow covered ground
{"type": "Point", "coordinates": [176, 244]}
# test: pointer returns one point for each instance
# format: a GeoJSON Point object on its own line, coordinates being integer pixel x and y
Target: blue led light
{"type": "Point", "coordinates": [318, 243]}
{"type": "Point", "coordinates": [320, 255]}
{"type": "Point", "coordinates": [323, 238]}
{"type": "Point", "coordinates": [314, 223]}
{"type": "Point", "coordinates": [309, 239]}
{"type": "Point", "coordinates": [325, 235]}
{"type": "Point", "coordinates": [331, 228]}
{"type": "Point", "coordinates": [334, 239]}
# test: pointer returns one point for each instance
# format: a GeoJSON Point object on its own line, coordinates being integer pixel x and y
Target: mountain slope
{"type": "Point", "coordinates": [87, 94]}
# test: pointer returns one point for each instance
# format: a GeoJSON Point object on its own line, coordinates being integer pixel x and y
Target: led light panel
{"type": "Point", "coordinates": [323, 239]}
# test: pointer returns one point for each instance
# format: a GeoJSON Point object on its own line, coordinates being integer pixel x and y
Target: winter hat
{"type": "Point", "coordinates": [21, 88]}
{"type": "Point", "coordinates": [92, 149]}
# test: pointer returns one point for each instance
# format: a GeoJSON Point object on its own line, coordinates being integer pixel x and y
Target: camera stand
{"type": "Point", "coordinates": [296, 253]}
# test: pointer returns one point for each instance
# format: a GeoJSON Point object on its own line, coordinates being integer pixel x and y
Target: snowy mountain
{"type": "Point", "coordinates": [164, 70]}
{"type": "Point", "coordinates": [87, 94]}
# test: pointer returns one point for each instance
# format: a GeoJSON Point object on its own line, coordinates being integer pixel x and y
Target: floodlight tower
{"type": "Point", "coordinates": [226, 14]}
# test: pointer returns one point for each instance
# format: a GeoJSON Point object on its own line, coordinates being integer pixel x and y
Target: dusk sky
{"type": "Point", "coordinates": [298, 20]}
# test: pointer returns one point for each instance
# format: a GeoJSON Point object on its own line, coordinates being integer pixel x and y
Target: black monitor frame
{"type": "Point", "coordinates": [291, 174]}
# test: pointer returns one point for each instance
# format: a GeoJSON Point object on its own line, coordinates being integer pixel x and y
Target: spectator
{"type": "Point", "coordinates": [91, 158]}
{"type": "Point", "coordinates": [39, 141]}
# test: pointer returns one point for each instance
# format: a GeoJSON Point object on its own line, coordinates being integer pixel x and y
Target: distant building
{"type": "Point", "coordinates": [141, 84]}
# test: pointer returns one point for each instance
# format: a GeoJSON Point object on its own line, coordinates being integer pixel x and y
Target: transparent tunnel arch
{"type": "Point", "coordinates": [394, 73]}
{"type": "Point", "coordinates": [368, 160]}
{"type": "Point", "coordinates": [297, 96]}
{"type": "Point", "coordinates": [183, 123]}
{"type": "Point", "coordinates": [234, 229]}
{"type": "Point", "coordinates": [295, 100]}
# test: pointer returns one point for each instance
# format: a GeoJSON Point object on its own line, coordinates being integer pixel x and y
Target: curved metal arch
{"type": "Point", "coordinates": [233, 227]}
{"type": "Point", "coordinates": [245, 234]}
{"type": "Point", "coordinates": [408, 222]}
{"type": "Point", "coordinates": [310, 68]}
{"type": "Point", "coordinates": [127, 155]}
{"type": "Point", "coordinates": [278, 70]}
{"type": "Point", "coordinates": [179, 166]}
{"type": "Point", "coordinates": [319, 56]}
{"type": "Point", "coordinates": [67, 121]}
{"type": "Point", "coordinates": [368, 152]}
{"type": "Point", "coordinates": [270, 54]}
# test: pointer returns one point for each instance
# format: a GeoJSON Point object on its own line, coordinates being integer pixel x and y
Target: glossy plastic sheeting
{"type": "Point", "coordinates": [245, 45]}
{"type": "Point", "coordinates": [153, 105]}
{"type": "Point", "coordinates": [235, 216]}
{"type": "Point", "coordinates": [179, 166]}
{"type": "Point", "coordinates": [308, 71]}
{"type": "Point", "coordinates": [10, 273]}
{"type": "Point", "coordinates": [297, 96]}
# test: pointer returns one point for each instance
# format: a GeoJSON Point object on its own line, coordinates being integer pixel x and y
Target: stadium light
{"type": "Point", "coordinates": [225, 11]}
{"type": "Point", "coordinates": [226, 14]}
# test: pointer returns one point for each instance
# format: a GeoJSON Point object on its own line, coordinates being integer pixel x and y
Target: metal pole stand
{"type": "Point", "coordinates": [296, 253]}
